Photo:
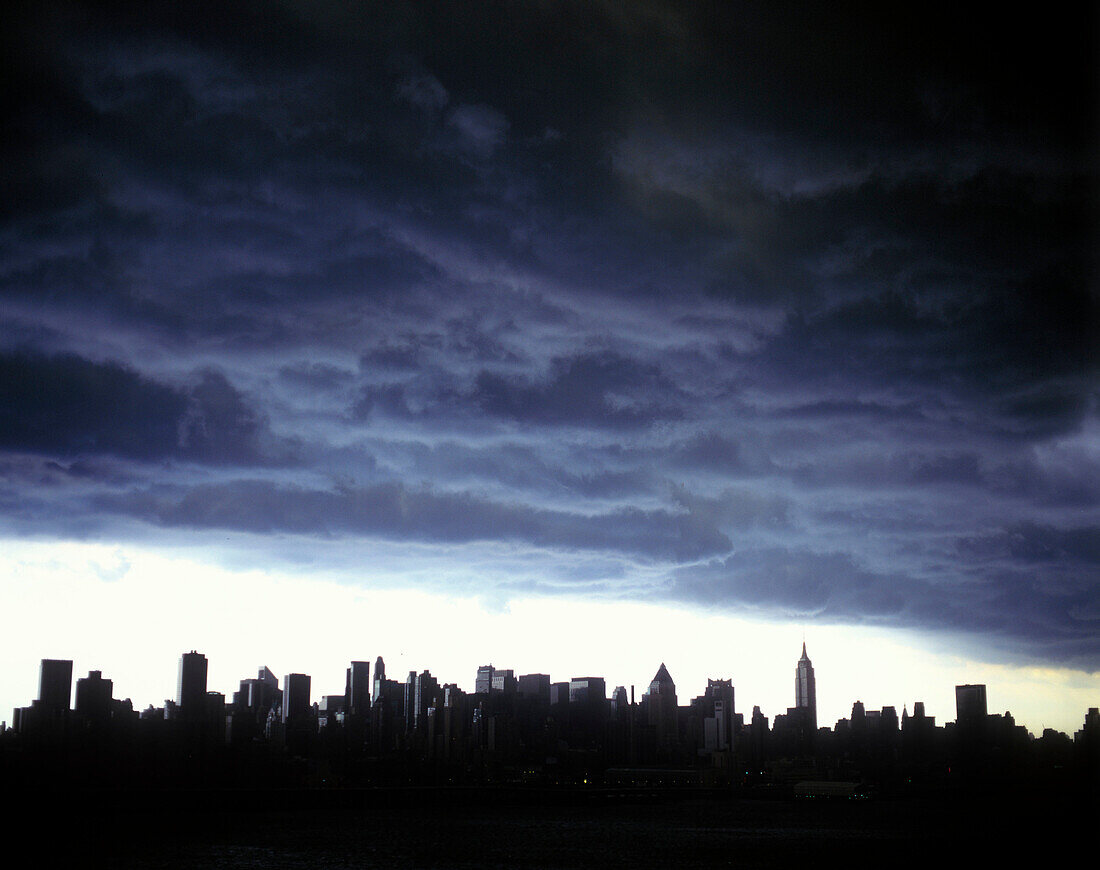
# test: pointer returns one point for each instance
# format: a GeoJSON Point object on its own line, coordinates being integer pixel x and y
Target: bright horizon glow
{"type": "Point", "coordinates": [131, 611]}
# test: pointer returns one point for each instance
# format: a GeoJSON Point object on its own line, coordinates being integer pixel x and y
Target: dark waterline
{"type": "Point", "coordinates": [468, 828]}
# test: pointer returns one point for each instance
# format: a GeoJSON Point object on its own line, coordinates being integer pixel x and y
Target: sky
{"type": "Point", "coordinates": [573, 337]}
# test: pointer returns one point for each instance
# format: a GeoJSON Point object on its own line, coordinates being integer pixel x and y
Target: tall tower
{"type": "Point", "coordinates": [970, 705]}
{"type": "Point", "coordinates": [357, 695]}
{"type": "Point", "coordinates": [191, 686]}
{"type": "Point", "coordinates": [296, 699]}
{"type": "Point", "coordinates": [661, 710]}
{"type": "Point", "coordinates": [379, 679]}
{"type": "Point", "coordinates": [483, 683]}
{"type": "Point", "coordinates": [93, 696]}
{"type": "Point", "coordinates": [426, 688]}
{"type": "Point", "coordinates": [805, 687]}
{"type": "Point", "coordinates": [55, 684]}
{"type": "Point", "coordinates": [410, 702]}
{"type": "Point", "coordinates": [720, 695]}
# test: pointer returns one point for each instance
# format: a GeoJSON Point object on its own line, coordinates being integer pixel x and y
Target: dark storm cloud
{"type": "Point", "coordinates": [316, 376]}
{"type": "Point", "coordinates": [802, 583]}
{"type": "Point", "coordinates": [710, 450]}
{"type": "Point", "coordinates": [601, 390]}
{"type": "Point", "coordinates": [769, 307]}
{"type": "Point", "coordinates": [70, 406]}
{"type": "Point", "coordinates": [1022, 607]}
{"type": "Point", "coordinates": [395, 511]}
{"type": "Point", "coordinates": [1032, 544]}
{"type": "Point", "coordinates": [576, 479]}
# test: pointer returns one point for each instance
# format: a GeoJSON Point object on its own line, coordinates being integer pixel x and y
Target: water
{"type": "Point", "coordinates": [425, 830]}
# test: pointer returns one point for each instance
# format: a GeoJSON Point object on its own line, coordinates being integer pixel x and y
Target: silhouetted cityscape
{"type": "Point", "coordinates": [520, 730]}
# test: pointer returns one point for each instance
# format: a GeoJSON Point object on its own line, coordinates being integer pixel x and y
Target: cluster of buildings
{"type": "Point", "coordinates": [517, 728]}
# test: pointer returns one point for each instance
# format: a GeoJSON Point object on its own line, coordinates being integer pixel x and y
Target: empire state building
{"type": "Point", "coordinates": [805, 688]}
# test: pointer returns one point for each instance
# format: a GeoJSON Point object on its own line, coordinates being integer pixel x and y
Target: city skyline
{"type": "Point", "coordinates": [585, 333]}
{"type": "Point", "coordinates": [527, 730]}
{"type": "Point", "coordinates": [261, 770]}
{"type": "Point", "coordinates": [92, 695]}
{"type": "Point", "coordinates": [311, 688]}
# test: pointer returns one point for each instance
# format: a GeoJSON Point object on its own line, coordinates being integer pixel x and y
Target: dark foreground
{"type": "Point", "coordinates": [496, 829]}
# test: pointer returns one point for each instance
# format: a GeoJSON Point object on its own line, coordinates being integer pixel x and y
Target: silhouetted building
{"type": "Point", "coordinates": [357, 693]}
{"type": "Point", "coordinates": [588, 711]}
{"type": "Point", "coordinates": [426, 691]}
{"type": "Point", "coordinates": [1087, 743]}
{"type": "Point", "coordinates": [55, 683]}
{"type": "Point", "coordinates": [93, 697]}
{"type": "Point", "coordinates": [504, 680]}
{"type": "Point", "coordinates": [214, 710]}
{"type": "Point", "coordinates": [970, 705]}
{"type": "Point", "coordinates": [559, 694]}
{"type": "Point", "coordinates": [756, 746]}
{"type": "Point", "coordinates": [253, 705]}
{"type": "Point", "coordinates": [457, 717]}
{"type": "Point", "coordinates": [534, 686]}
{"type": "Point", "coordinates": [379, 679]}
{"type": "Point", "coordinates": [718, 724]}
{"type": "Point", "coordinates": [587, 691]}
{"type": "Point", "coordinates": [191, 686]}
{"type": "Point", "coordinates": [260, 694]}
{"type": "Point", "coordinates": [919, 723]}
{"type": "Point", "coordinates": [620, 702]}
{"type": "Point", "coordinates": [1091, 729]}
{"type": "Point", "coordinates": [296, 708]}
{"type": "Point", "coordinates": [409, 704]}
{"type": "Point", "coordinates": [805, 688]}
{"type": "Point", "coordinates": [483, 682]}
{"type": "Point", "coordinates": [331, 710]}
{"type": "Point", "coordinates": [661, 711]}
{"type": "Point", "coordinates": [972, 731]}
{"type": "Point", "coordinates": [920, 719]}
{"type": "Point", "coordinates": [387, 711]}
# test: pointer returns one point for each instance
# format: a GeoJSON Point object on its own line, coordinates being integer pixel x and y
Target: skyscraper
{"type": "Point", "coordinates": [298, 723]}
{"type": "Point", "coordinates": [662, 683]}
{"type": "Point", "coordinates": [259, 695]}
{"type": "Point", "coordinates": [483, 683]}
{"type": "Point", "coordinates": [661, 714]}
{"type": "Point", "coordinates": [427, 689]}
{"type": "Point", "coordinates": [619, 702]}
{"type": "Point", "coordinates": [93, 696]}
{"type": "Point", "coordinates": [410, 702]}
{"type": "Point", "coordinates": [718, 703]}
{"type": "Point", "coordinates": [805, 687]}
{"type": "Point", "coordinates": [534, 686]}
{"type": "Point", "coordinates": [357, 695]}
{"type": "Point", "coordinates": [296, 708]}
{"type": "Point", "coordinates": [590, 691]}
{"type": "Point", "coordinates": [970, 705]}
{"type": "Point", "coordinates": [588, 712]}
{"type": "Point", "coordinates": [55, 684]}
{"type": "Point", "coordinates": [191, 686]}
{"type": "Point", "coordinates": [379, 680]}
{"type": "Point", "coordinates": [504, 680]}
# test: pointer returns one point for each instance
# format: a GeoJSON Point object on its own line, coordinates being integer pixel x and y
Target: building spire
{"type": "Point", "coordinates": [805, 686]}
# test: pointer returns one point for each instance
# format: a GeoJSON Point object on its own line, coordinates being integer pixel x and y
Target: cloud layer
{"type": "Point", "coordinates": [731, 307]}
